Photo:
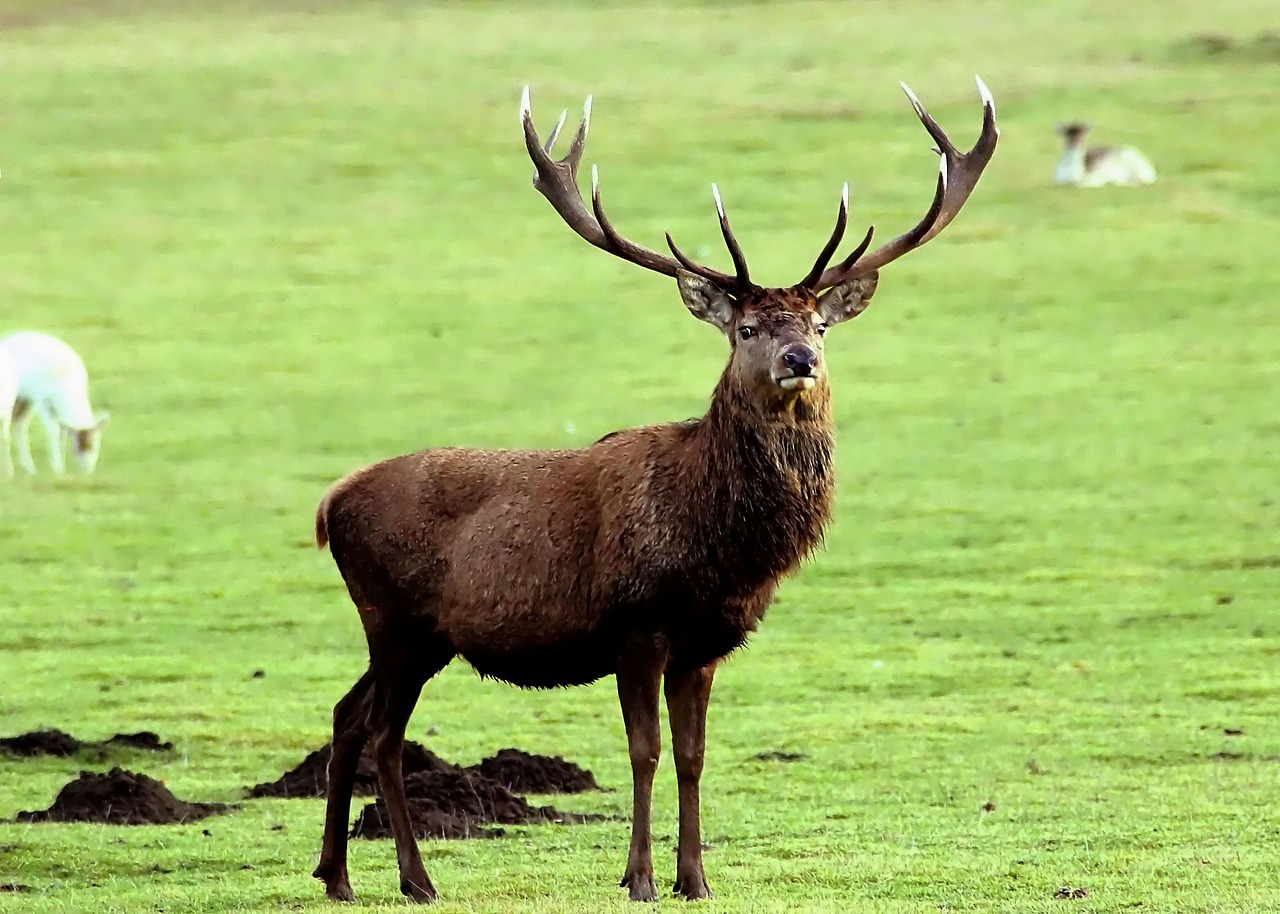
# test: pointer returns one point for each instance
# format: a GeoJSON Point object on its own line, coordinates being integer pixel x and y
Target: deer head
{"type": "Point", "coordinates": [776, 334]}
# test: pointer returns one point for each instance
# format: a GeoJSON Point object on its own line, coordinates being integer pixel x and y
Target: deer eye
{"type": "Point", "coordinates": [746, 333]}
{"type": "Point", "coordinates": [821, 330]}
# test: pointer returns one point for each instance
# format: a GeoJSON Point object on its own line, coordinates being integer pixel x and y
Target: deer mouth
{"type": "Point", "coordinates": [798, 382]}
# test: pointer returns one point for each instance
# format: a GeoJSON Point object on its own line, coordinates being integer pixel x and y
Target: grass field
{"type": "Point", "coordinates": [294, 238]}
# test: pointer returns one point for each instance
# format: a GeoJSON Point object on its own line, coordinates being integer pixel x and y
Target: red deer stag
{"type": "Point", "coordinates": [650, 555]}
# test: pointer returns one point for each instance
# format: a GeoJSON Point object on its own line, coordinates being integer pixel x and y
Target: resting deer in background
{"type": "Point", "coordinates": [649, 556]}
{"type": "Point", "coordinates": [1099, 165]}
{"type": "Point", "coordinates": [53, 384]}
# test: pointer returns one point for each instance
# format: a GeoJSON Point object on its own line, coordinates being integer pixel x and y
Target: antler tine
{"type": "Point", "coordinates": [958, 174]}
{"type": "Point", "coordinates": [555, 132]}
{"type": "Point", "coordinates": [558, 182]}
{"type": "Point", "coordinates": [842, 220]}
{"type": "Point", "coordinates": [743, 278]}
{"type": "Point", "coordinates": [629, 250]}
{"type": "Point", "coordinates": [579, 143]}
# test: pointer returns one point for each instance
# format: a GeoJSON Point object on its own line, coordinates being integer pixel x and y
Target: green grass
{"type": "Point", "coordinates": [294, 238]}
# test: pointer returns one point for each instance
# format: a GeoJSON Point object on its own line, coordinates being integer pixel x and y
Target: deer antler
{"type": "Point", "coordinates": [958, 174]}
{"type": "Point", "coordinates": [558, 182]}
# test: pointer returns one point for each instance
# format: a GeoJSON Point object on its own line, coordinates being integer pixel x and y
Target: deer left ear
{"type": "Point", "coordinates": [705, 300]}
{"type": "Point", "coordinates": [848, 299]}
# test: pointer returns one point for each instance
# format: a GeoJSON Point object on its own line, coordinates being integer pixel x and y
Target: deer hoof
{"type": "Point", "coordinates": [336, 886]}
{"type": "Point", "coordinates": [640, 886]}
{"type": "Point", "coordinates": [420, 892]}
{"type": "Point", "coordinates": [693, 887]}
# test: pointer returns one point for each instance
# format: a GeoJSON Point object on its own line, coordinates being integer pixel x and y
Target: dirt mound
{"type": "Point", "coordinates": [521, 772]}
{"type": "Point", "coordinates": [311, 777]}
{"type": "Point", "coordinates": [55, 742]}
{"type": "Point", "coordinates": [120, 798]}
{"type": "Point", "coordinates": [41, 742]}
{"type": "Point", "coordinates": [458, 803]}
{"type": "Point", "coordinates": [143, 739]}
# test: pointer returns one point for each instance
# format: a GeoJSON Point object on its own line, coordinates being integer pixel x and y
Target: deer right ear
{"type": "Point", "coordinates": [848, 299]}
{"type": "Point", "coordinates": [705, 300]}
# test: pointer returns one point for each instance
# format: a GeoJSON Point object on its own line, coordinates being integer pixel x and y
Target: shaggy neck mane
{"type": "Point", "coordinates": [764, 480]}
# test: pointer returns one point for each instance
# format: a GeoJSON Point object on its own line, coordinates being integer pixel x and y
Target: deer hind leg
{"type": "Point", "coordinates": [350, 733]}
{"type": "Point", "coordinates": [687, 697]}
{"type": "Point", "coordinates": [638, 677]}
{"type": "Point", "coordinates": [402, 664]}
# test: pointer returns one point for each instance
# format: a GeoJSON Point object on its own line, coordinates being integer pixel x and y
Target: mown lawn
{"type": "Point", "coordinates": [294, 238]}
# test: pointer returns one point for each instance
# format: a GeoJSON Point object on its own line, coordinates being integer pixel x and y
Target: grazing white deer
{"type": "Point", "coordinates": [8, 399]}
{"type": "Point", "coordinates": [1099, 165]}
{"type": "Point", "coordinates": [52, 384]}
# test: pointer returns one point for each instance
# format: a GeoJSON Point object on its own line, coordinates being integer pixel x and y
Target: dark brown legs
{"type": "Point", "coordinates": [687, 696]}
{"type": "Point", "coordinates": [350, 733]}
{"type": "Point", "coordinates": [379, 707]}
{"type": "Point", "coordinates": [638, 677]}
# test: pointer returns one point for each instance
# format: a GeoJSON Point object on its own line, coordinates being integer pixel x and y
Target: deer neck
{"type": "Point", "coordinates": [765, 474]}
{"type": "Point", "coordinates": [1071, 166]}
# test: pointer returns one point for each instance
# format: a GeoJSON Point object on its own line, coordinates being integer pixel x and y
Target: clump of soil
{"type": "Point", "coordinates": [120, 798]}
{"type": "Point", "coordinates": [55, 742]}
{"type": "Point", "coordinates": [458, 804]}
{"type": "Point", "coordinates": [521, 772]}
{"type": "Point", "coordinates": [311, 777]}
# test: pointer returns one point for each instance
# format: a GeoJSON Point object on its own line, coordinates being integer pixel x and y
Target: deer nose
{"type": "Point", "coordinates": [801, 360]}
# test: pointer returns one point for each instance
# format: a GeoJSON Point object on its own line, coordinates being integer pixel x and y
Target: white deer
{"type": "Point", "coordinates": [8, 399]}
{"type": "Point", "coordinates": [1099, 165]}
{"type": "Point", "coordinates": [52, 384]}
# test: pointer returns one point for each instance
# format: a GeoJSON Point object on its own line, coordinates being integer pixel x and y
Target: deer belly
{"type": "Point", "coordinates": [575, 660]}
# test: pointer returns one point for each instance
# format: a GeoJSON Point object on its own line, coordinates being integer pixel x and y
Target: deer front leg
{"type": "Point", "coordinates": [21, 440]}
{"type": "Point", "coordinates": [687, 697]}
{"type": "Point", "coordinates": [6, 461]}
{"type": "Point", "coordinates": [53, 434]}
{"type": "Point", "coordinates": [638, 677]}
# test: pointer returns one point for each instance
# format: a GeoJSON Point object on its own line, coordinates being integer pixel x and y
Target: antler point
{"type": "Point", "coordinates": [988, 100]}
{"type": "Point", "coordinates": [524, 102]}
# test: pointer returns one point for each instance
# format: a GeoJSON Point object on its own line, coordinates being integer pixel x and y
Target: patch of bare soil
{"type": "Point", "coordinates": [311, 776]}
{"type": "Point", "coordinates": [120, 798]}
{"type": "Point", "coordinates": [521, 772]}
{"type": "Point", "coordinates": [778, 755]}
{"type": "Point", "coordinates": [459, 804]}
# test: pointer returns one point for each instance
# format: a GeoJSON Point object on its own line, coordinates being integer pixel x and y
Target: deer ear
{"type": "Point", "coordinates": [705, 300]}
{"type": "Point", "coordinates": [848, 299]}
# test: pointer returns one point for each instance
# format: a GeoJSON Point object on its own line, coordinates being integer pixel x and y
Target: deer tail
{"type": "Point", "coordinates": [322, 520]}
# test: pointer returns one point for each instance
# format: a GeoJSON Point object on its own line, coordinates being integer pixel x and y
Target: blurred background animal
{"type": "Point", "coordinates": [1099, 165]}
{"type": "Point", "coordinates": [53, 384]}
